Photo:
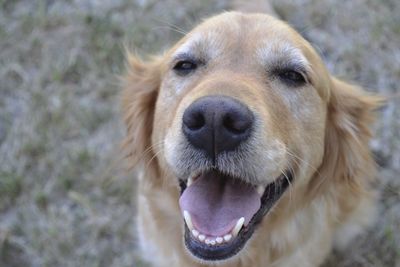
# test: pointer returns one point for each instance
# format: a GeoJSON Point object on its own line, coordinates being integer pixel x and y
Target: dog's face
{"type": "Point", "coordinates": [236, 104]}
{"type": "Point", "coordinates": [240, 117]}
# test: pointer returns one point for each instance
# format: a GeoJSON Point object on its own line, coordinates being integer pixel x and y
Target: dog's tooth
{"type": "Point", "coordinates": [238, 226]}
{"type": "Point", "coordinates": [212, 242]}
{"type": "Point", "coordinates": [208, 241]}
{"type": "Point", "coordinates": [201, 237]}
{"type": "Point", "coordinates": [188, 220]}
{"type": "Point", "coordinates": [227, 237]}
{"type": "Point", "coordinates": [190, 181]}
{"type": "Point", "coordinates": [219, 240]}
{"type": "Point", "coordinates": [195, 233]}
{"type": "Point", "coordinates": [260, 190]}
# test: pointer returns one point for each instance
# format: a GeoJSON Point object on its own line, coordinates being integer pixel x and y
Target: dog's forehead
{"type": "Point", "coordinates": [260, 36]}
{"type": "Point", "coordinates": [203, 44]}
{"type": "Point", "coordinates": [237, 39]}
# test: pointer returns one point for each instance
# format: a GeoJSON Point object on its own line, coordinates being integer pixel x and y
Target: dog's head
{"type": "Point", "coordinates": [238, 112]}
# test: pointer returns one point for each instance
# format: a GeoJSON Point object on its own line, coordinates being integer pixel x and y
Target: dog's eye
{"type": "Point", "coordinates": [185, 67]}
{"type": "Point", "coordinates": [292, 77]}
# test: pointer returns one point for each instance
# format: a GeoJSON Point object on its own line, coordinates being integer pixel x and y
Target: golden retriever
{"type": "Point", "coordinates": [249, 153]}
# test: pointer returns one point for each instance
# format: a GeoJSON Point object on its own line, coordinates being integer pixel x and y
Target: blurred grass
{"type": "Point", "coordinates": [10, 188]}
{"type": "Point", "coordinates": [64, 198]}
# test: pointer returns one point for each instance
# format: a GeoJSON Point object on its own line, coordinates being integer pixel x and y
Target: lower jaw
{"type": "Point", "coordinates": [227, 250]}
{"type": "Point", "coordinates": [216, 253]}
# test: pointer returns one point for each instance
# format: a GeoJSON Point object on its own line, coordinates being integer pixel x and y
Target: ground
{"type": "Point", "coordinates": [64, 198]}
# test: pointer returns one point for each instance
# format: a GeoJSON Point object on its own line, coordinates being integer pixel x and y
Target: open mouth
{"type": "Point", "coordinates": [221, 212]}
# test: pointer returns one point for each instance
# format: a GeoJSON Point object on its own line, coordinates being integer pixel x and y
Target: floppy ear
{"type": "Point", "coordinates": [347, 157]}
{"type": "Point", "coordinates": [141, 86]}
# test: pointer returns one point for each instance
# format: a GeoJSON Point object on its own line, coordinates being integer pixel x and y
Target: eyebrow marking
{"type": "Point", "coordinates": [189, 45]}
{"type": "Point", "coordinates": [204, 45]}
{"type": "Point", "coordinates": [184, 56]}
{"type": "Point", "coordinates": [281, 54]}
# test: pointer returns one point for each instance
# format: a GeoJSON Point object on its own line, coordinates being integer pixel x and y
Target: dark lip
{"type": "Point", "coordinates": [272, 194]}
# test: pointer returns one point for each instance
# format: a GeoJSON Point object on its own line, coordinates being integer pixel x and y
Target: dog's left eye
{"type": "Point", "coordinates": [185, 67]}
{"type": "Point", "coordinates": [292, 77]}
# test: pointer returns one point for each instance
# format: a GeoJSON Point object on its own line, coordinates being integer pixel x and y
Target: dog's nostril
{"type": "Point", "coordinates": [194, 121]}
{"type": "Point", "coordinates": [235, 125]}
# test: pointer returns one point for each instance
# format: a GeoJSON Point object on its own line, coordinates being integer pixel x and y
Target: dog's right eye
{"type": "Point", "coordinates": [185, 67]}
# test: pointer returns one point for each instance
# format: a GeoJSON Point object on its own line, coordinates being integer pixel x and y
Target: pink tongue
{"type": "Point", "coordinates": [215, 203]}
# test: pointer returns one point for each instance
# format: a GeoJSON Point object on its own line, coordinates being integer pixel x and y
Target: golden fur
{"type": "Point", "coordinates": [330, 200]}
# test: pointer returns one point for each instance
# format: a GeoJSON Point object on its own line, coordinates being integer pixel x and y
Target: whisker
{"type": "Point", "coordinates": [171, 26]}
{"type": "Point", "coordinates": [156, 153]}
{"type": "Point", "coordinates": [150, 148]}
{"type": "Point", "coordinates": [291, 153]}
{"type": "Point", "coordinates": [320, 176]}
{"type": "Point", "coordinates": [290, 184]}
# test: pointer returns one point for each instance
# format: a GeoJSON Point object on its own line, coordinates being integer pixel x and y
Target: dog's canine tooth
{"type": "Point", "coordinates": [202, 237]}
{"type": "Point", "coordinates": [190, 181]}
{"type": "Point", "coordinates": [238, 226]}
{"type": "Point", "coordinates": [195, 233]}
{"type": "Point", "coordinates": [219, 240]}
{"type": "Point", "coordinates": [227, 237]}
{"type": "Point", "coordinates": [260, 190]}
{"type": "Point", "coordinates": [188, 220]}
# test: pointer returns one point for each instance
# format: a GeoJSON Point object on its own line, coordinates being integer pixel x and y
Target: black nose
{"type": "Point", "coordinates": [217, 123]}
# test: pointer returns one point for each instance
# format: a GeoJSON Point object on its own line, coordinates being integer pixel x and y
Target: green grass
{"type": "Point", "coordinates": [10, 188]}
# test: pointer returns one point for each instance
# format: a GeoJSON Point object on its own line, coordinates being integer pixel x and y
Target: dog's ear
{"type": "Point", "coordinates": [141, 86]}
{"type": "Point", "coordinates": [347, 157]}
{"type": "Point", "coordinates": [352, 110]}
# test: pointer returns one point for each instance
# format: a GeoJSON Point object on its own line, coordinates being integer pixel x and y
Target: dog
{"type": "Point", "coordinates": [247, 151]}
